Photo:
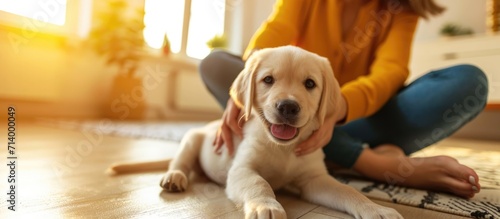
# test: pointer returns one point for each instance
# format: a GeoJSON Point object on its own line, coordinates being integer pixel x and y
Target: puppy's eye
{"type": "Point", "coordinates": [310, 84]}
{"type": "Point", "coordinates": [268, 80]}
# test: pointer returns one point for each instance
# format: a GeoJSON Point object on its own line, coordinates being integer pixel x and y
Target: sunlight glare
{"type": "Point", "coordinates": [207, 20]}
{"type": "Point", "coordinates": [163, 17]}
{"type": "Point", "coordinates": [53, 12]}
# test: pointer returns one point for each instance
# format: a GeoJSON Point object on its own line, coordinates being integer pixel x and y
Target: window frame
{"type": "Point", "coordinates": [185, 28]}
{"type": "Point", "coordinates": [77, 22]}
{"type": "Point", "coordinates": [186, 20]}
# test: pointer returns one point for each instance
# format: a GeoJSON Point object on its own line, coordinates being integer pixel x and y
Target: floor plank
{"type": "Point", "coordinates": [61, 174]}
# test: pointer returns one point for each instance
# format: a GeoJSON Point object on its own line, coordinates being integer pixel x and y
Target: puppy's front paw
{"type": "Point", "coordinates": [174, 181]}
{"type": "Point", "coordinates": [264, 208]}
{"type": "Point", "coordinates": [375, 211]}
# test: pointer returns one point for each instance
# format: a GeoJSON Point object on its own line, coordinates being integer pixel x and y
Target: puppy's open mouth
{"type": "Point", "coordinates": [283, 132]}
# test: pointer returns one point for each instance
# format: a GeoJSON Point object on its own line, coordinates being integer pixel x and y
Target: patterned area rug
{"type": "Point", "coordinates": [487, 164]}
{"type": "Point", "coordinates": [484, 205]}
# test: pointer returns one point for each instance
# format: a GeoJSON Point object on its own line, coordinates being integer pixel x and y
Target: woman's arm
{"type": "Point", "coordinates": [367, 94]}
{"type": "Point", "coordinates": [282, 26]}
{"type": "Point", "coordinates": [388, 73]}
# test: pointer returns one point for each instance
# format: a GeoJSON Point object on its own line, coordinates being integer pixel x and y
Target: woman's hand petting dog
{"type": "Point", "coordinates": [324, 134]}
{"type": "Point", "coordinates": [230, 124]}
{"type": "Point", "coordinates": [318, 139]}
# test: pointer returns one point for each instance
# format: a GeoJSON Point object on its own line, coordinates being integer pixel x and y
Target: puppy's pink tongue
{"type": "Point", "coordinates": [284, 132]}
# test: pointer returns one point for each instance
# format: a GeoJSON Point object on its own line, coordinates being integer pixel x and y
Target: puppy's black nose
{"type": "Point", "coordinates": [288, 109]}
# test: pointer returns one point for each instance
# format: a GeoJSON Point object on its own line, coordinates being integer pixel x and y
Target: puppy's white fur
{"type": "Point", "coordinates": [262, 162]}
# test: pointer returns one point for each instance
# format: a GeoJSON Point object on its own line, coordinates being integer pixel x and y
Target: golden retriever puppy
{"type": "Point", "coordinates": [285, 94]}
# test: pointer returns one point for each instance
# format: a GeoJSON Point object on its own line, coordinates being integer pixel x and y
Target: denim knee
{"type": "Point", "coordinates": [475, 83]}
{"type": "Point", "coordinates": [218, 71]}
{"type": "Point", "coordinates": [471, 88]}
{"type": "Point", "coordinates": [209, 66]}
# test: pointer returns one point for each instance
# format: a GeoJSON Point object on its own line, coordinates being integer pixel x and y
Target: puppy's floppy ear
{"type": "Point", "coordinates": [330, 95]}
{"type": "Point", "coordinates": [243, 88]}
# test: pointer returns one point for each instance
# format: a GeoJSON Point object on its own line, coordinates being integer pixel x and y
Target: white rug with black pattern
{"type": "Point", "coordinates": [486, 204]}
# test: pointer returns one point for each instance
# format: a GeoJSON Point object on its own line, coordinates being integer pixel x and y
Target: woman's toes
{"type": "Point", "coordinates": [456, 186]}
{"type": "Point", "coordinates": [456, 178]}
{"type": "Point", "coordinates": [460, 191]}
{"type": "Point", "coordinates": [472, 180]}
{"type": "Point", "coordinates": [459, 171]}
{"type": "Point", "coordinates": [463, 194]}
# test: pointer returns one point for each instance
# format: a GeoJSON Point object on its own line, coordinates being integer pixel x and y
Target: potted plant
{"type": "Point", "coordinates": [451, 29]}
{"type": "Point", "coordinates": [117, 35]}
{"type": "Point", "coordinates": [218, 41]}
{"type": "Point", "coordinates": [166, 50]}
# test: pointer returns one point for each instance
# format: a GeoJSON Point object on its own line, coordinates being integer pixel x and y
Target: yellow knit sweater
{"type": "Point", "coordinates": [370, 63]}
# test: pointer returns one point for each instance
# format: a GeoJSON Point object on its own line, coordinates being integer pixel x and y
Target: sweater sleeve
{"type": "Point", "coordinates": [282, 26]}
{"type": "Point", "coordinates": [388, 72]}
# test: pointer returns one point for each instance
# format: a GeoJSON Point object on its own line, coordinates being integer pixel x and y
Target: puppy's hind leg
{"type": "Point", "coordinates": [176, 180]}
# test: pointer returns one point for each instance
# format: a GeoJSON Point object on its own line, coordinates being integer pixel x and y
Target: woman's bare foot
{"type": "Point", "coordinates": [388, 163]}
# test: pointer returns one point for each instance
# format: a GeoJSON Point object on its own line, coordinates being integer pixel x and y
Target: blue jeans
{"type": "Point", "coordinates": [424, 112]}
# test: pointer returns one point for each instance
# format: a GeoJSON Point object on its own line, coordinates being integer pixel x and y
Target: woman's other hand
{"type": "Point", "coordinates": [230, 125]}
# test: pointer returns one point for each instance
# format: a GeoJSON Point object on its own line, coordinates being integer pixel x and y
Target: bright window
{"type": "Point", "coordinates": [59, 17]}
{"type": "Point", "coordinates": [49, 11]}
{"type": "Point", "coordinates": [187, 33]}
{"type": "Point", "coordinates": [164, 17]}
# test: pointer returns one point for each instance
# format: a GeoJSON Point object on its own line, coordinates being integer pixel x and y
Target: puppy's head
{"type": "Point", "coordinates": [289, 89]}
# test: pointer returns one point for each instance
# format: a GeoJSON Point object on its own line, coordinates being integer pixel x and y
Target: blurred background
{"type": "Point", "coordinates": [138, 59]}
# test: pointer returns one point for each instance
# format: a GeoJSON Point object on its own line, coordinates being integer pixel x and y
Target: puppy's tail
{"type": "Point", "coordinates": [123, 168]}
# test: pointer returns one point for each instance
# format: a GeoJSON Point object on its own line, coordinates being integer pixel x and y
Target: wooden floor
{"type": "Point", "coordinates": [61, 174]}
